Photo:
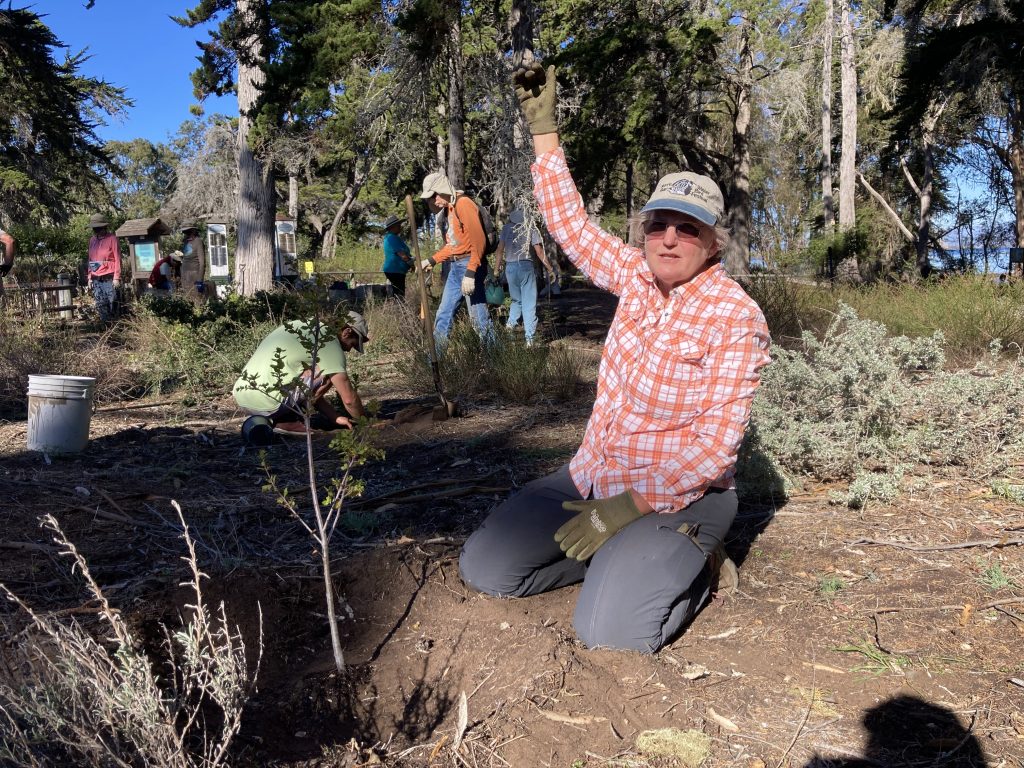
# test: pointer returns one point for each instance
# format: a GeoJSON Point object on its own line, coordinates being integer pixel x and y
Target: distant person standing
{"type": "Point", "coordinates": [164, 274]}
{"type": "Point", "coordinates": [518, 238]}
{"type": "Point", "coordinates": [193, 262]}
{"type": "Point", "coordinates": [397, 258]}
{"type": "Point", "coordinates": [104, 272]}
{"type": "Point", "coordinates": [464, 247]}
{"type": "Point", "coordinates": [8, 248]}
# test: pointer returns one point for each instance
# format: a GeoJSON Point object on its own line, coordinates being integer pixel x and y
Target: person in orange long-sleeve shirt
{"type": "Point", "coordinates": [640, 514]}
{"type": "Point", "coordinates": [464, 248]}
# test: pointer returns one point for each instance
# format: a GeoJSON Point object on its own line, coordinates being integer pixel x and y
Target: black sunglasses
{"type": "Point", "coordinates": [658, 227]}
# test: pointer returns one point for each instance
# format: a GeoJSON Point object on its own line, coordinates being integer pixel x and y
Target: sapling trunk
{"type": "Point", "coordinates": [323, 537]}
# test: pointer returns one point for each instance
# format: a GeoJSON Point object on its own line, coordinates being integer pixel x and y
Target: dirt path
{"type": "Point", "coordinates": [834, 649]}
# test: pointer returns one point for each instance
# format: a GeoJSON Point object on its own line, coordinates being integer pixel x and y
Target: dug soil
{"type": "Point", "coordinates": [890, 635]}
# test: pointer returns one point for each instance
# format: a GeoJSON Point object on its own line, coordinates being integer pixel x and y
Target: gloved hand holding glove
{"type": "Point", "coordinates": [468, 283]}
{"type": "Point", "coordinates": [535, 89]}
{"type": "Point", "coordinates": [598, 520]}
{"type": "Point", "coordinates": [427, 264]}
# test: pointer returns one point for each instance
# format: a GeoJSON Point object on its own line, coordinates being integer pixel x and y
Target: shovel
{"type": "Point", "coordinates": [446, 408]}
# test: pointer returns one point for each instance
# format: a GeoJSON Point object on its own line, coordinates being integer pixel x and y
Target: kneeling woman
{"type": "Point", "coordinates": [646, 502]}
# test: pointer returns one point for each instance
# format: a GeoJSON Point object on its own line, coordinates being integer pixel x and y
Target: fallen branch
{"type": "Point", "coordinates": [115, 408]}
{"type": "Point", "coordinates": [572, 719]}
{"type": "Point", "coordinates": [452, 493]}
{"type": "Point", "coordinates": [985, 607]}
{"type": "Point", "coordinates": [28, 546]}
{"type": "Point", "coordinates": [422, 486]}
{"type": "Point", "coordinates": [988, 543]}
{"type": "Point", "coordinates": [803, 722]}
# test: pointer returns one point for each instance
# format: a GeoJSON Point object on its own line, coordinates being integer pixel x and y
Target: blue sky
{"type": "Point", "coordinates": [134, 45]}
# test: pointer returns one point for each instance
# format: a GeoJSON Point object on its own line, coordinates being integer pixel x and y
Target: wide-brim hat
{"type": "Point", "coordinates": [357, 323]}
{"type": "Point", "coordinates": [437, 184]}
{"type": "Point", "coordinates": [390, 221]}
{"type": "Point", "coordinates": [98, 220]}
{"type": "Point", "coordinates": [177, 256]}
{"type": "Point", "coordinates": [186, 226]}
{"type": "Point", "coordinates": [689, 193]}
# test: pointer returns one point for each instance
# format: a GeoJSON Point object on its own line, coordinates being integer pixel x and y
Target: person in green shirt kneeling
{"type": "Point", "coordinates": [282, 380]}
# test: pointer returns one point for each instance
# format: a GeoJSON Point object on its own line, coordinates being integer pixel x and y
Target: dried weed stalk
{"type": "Point", "coordinates": [72, 699]}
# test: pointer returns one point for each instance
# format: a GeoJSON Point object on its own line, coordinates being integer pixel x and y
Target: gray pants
{"type": "Point", "coordinates": [639, 590]}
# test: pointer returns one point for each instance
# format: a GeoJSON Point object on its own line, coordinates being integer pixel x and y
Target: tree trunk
{"type": "Point", "coordinates": [629, 194]}
{"type": "Point", "coordinates": [848, 160]}
{"type": "Point", "coordinates": [737, 254]}
{"type": "Point", "coordinates": [293, 195]}
{"type": "Point", "coordinates": [456, 103]}
{"type": "Point", "coordinates": [828, 27]}
{"type": "Point", "coordinates": [521, 23]}
{"type": "Point", "coordinates": [440, 147]}
{"type": "Point", "coordinates": [924, 214]}
{"type": "Point", "coordinates": [351, 193]}
{"type": "Point", "coordinates": [1015, 150]}
{"type": "Point", "coordinates": [254, 214]}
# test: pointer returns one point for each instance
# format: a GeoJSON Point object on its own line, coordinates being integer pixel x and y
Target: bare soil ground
{"type": "Point", "coordinates": [881, 636]}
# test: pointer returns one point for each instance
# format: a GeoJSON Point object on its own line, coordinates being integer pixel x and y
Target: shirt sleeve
{"type": "Point", "coordinates": [734, 367]}
{"type": "Point", "coordinates": [605, 259]}
{"type": "Point", "coordinates": [469, 235]}
{"type": "Point", "coordinates": [115, 256]}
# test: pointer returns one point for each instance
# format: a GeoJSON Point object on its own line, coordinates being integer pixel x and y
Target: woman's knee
{"type": "Point", "coordinates": [643, 586]}
{"type": "Point", "coordinates": [483, 568]}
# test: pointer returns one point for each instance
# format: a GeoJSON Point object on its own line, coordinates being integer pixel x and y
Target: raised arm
{"type": "Point", "coordinates": [604, 258]}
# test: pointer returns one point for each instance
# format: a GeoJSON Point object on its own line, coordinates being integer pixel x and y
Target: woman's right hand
{"type": "Point", "coordinates": [535, 89]}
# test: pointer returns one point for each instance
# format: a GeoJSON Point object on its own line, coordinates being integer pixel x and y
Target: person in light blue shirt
{"type": "Point", "coordinates": [519, 240]}
{"type": "Point", "coordinates": [397, 259]}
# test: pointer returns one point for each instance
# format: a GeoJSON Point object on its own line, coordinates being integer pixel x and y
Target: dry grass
{"type": "Point", "coordinates": [71, 698]}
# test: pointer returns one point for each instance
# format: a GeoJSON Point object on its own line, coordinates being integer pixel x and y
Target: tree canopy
{"type": "Point", "coordinates": [51, 159]}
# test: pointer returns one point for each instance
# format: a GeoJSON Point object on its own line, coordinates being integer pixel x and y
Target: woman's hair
{"type": "Point", "coordinates": [637, 237]}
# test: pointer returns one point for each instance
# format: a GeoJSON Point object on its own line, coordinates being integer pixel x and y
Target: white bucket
{"type": "Point", "coordinates": [59, 410]}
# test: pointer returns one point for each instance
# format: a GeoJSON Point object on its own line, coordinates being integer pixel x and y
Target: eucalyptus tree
{"type": "Point", "coordinates": [51, 160]}
{"type": "Point", "coordinates": [973, 48]}
{"type": "Point", "coordinates": [755, 51]}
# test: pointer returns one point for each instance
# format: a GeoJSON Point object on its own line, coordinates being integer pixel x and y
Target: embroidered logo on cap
{"type": "Point", "coordinates": [682, 187]}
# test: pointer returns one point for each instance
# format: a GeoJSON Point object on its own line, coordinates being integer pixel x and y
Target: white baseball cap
{"type": "Point", "coordinates": [437, 183]}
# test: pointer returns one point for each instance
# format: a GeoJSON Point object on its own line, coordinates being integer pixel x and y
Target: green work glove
{"type": "Point", "coordinates": [598, 520]}
{"type": "Point", "coordinates": [535, 90]}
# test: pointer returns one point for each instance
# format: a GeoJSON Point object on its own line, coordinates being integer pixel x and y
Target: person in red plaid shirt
{"type": "Point", "coordinates": [640, 513]}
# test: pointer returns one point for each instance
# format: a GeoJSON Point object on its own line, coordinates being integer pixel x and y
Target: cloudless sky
{"type": "Point", "coordinates": [134, 45]}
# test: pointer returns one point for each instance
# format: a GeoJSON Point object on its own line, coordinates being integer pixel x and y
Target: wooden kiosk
{"type": "Point", "coordinates": [143, 236]}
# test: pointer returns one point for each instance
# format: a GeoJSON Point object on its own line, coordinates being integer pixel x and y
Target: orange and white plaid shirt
{"type": "Point", "coordinates": [677, 374]}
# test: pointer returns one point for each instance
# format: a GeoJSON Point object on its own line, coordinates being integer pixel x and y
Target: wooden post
{"type": "Point", "coordinates": [428, 328]}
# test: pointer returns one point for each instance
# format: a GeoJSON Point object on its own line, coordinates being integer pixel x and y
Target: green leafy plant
{"type": "Point", "coordinates": [883, 487]}
{"type": "Point", "coordinates": [995, 578]}
{"type": "Point", "coordinates": [830, 585]}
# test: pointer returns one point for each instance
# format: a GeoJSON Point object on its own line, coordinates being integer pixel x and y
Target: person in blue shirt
{"type": "Point", "coordinates": [397, 259]}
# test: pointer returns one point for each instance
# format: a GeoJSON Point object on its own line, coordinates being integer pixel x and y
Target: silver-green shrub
{"type": "Point", "coordinates": [857, 403]}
